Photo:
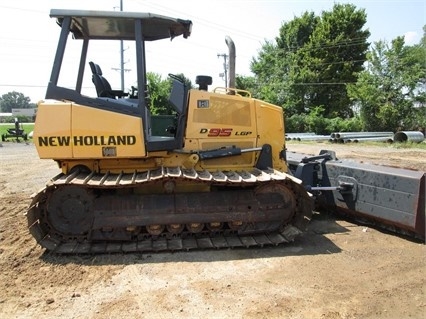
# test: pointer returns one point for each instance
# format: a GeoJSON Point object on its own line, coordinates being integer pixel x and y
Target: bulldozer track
{"type": "Point", "coordinates": [172, 245]}
{"type": "Point", "coordinates": [49, 233]}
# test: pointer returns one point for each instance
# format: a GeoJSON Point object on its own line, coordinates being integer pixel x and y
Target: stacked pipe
{"type": "Point", "coordinates": [356, 137]}
{"type": "Point", "coordinates": [305, 137]}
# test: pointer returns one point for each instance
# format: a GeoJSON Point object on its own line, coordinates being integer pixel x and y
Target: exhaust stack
{"type": "Point", "coordinates": [231, 47]}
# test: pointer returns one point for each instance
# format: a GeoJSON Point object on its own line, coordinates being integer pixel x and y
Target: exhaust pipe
{"type": "Point", "coordinates": [231, 47]}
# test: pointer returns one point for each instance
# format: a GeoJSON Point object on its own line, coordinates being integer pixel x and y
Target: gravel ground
{"type": "Point", "coordinates": [337, 269]}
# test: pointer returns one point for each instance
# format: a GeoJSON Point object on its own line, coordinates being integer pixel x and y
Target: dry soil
{"type": "Point", "coordinates": [337, 269]}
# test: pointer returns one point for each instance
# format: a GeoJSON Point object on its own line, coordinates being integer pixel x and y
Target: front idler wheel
{"type": "Point", "coordinates": [70, 211]}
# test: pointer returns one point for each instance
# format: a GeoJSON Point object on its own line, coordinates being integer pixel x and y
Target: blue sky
{"type": "Point", "coordinates": [29, 36]}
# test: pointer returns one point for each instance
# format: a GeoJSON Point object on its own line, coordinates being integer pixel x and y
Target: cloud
{"type": "Point", "coordinates": [411, 37]}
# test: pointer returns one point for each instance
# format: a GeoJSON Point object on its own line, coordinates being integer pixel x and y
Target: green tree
{"type": "Point", "coordinates": [312, 60]}
{"type": "Point", "coordinates": [14, 100]}
{"type": "Point", "coordinates": [415, 58]}
{"type": "Point", "coordinates": [159, 91]}
{"type": "Point", "coordinates": [247, 83]}
{"type": "Point", "coordinates": [268, 84]}
{"type": "Point", "coordinates": [186, 80]}
{"type": "Point", "coordinates": [338, 49]}
{"type": "Point", "coordinates": [391, 91]}
{"type": "Point", "coordinates": [295, 55]}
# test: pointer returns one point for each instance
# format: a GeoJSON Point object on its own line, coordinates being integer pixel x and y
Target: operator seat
{"type": "Point", "coordinates": [103, 88]}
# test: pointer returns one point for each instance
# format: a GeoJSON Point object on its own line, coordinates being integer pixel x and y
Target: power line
{"type": "Point", "coordinates": [340, 44]}
{"type": "Point", "coordinates": [337, 62]}
{"type": "Point", "coordinates": [205, 22]}
{"type": "Point", "coordinates": [24, 85]}
{"type": "Point", "coordinates": [23, 9]}
{"type": "Point", "coordinates": [322, 83]}
{"type": "Point", "coordinates": [38, 86]}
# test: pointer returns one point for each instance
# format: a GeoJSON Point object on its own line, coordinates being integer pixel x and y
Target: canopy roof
{"type": "Point", "coordinates": [119, 25]}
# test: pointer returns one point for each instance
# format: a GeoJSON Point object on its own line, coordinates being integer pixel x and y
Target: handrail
{"type": "Point", "coordinates": [232, 91]}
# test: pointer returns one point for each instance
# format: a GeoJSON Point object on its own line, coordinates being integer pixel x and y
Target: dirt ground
{"type": "Point", "coordinates": [337, 269]}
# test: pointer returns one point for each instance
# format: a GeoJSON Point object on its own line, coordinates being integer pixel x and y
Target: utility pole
{"type": "Point", "coordinates": [122, 55]}
{"type": "Point", "coordinates": [225, 67]}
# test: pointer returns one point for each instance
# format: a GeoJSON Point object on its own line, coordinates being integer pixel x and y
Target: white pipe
{"type": "Point", "coordinates": [360, 134]}
{"type": "Point", "coordinates": [373, 139]}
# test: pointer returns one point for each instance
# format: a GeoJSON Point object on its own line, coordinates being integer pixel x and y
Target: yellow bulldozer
{"type": "Point", "coordinates": [220, 178]}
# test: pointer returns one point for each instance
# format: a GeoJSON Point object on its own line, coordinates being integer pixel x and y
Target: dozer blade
{"type": "Point", "coordinates": [393, 198]}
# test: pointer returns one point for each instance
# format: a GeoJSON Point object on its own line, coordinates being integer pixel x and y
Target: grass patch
{"type": "Point", "coordinates": [27, 127]}
{"type": "Point", "coordinates": [403, 145]}
{"type": "Point", "coordinates": [410, 145]}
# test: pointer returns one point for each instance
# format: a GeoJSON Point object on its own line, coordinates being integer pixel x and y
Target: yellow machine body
{"type": "Point", "coordinates": [101, 140]}
{"type": "Point", "coordinates": [216, 178]}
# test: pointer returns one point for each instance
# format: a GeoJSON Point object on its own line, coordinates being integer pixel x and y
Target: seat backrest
{"type": "Point", "coordinates": [103, 88]}
{"type": "Point", "coordinates": [177, 96]}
